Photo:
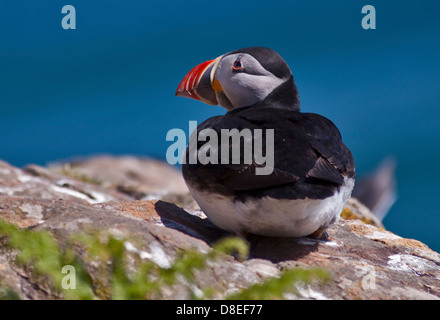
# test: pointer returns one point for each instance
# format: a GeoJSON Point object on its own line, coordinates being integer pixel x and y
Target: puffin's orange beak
{"type": "Point", "coordinates": [197, 83]}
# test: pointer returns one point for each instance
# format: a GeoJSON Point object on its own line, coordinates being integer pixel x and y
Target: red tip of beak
{"type": "Point", "coordinates": [189, 83]}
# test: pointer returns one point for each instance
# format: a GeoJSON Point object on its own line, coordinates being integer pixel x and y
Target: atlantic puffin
{"type": "Point", "coordinates": [312, 174]}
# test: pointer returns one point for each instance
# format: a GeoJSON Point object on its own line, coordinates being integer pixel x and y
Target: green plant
{"type": "Point", "coordinates": [146, 279]}
{"type": "Point", "coordinates": [39, 253]}
{"type": "Point", "coordinates": [8, 294]}
{"type": "Point", "coordinates": [276, 288]}
{"type": "Point", "coordinates": [105, 268]}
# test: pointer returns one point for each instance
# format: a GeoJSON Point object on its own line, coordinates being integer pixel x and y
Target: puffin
{"type": "Point", "coordinates": [305, 187]}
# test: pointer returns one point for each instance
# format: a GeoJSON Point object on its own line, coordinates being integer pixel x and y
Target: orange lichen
{"type": "Point", "coordinates": [347, 214]}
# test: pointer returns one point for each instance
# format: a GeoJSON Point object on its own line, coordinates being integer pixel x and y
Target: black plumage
{"type": "Point", "coordinates": [310, 159]}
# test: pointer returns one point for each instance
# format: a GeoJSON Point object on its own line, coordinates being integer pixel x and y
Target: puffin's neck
{"type": "Point", "coordinates": [285, 96]}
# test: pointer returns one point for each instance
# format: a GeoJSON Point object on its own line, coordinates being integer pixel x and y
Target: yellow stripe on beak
{"type": "Point", "coordinates": [216, 86]}
{"type": "Point", "coordinates": [214, 82]}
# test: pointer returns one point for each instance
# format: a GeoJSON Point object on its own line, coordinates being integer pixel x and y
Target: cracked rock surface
{"type": "Point", "coordinates": [148, 200]}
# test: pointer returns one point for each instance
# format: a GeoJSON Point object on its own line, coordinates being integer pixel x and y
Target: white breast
{"type": "Point", "coordinates": [273, 217]}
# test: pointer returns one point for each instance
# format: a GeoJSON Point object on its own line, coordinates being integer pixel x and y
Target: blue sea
{"type": "Point", "coordinates": [108, 86]}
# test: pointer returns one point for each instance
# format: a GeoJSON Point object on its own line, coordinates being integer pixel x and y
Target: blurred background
{"type": "Point", "coordinates": [108, 86]}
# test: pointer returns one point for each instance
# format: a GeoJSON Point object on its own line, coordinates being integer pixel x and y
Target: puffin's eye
{"type": "Point", "coordinates": [236, 66]}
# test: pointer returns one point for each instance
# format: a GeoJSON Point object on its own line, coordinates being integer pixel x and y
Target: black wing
{"type": "Point", "coordinates": [309, 157]}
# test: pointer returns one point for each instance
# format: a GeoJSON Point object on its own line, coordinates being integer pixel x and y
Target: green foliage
{"type": "Point", "coordinates": [148, 280]}
{"type": "Point", "coordinates": [275, 288]}
{"type": "Point", "coordinates": [8, 294]}
{"type": "Point", "coordinates": [39, 252]}
{"type": "Point", "coordinates": [106, 269]}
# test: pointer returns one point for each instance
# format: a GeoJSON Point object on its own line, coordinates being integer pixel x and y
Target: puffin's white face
{"type": "Point", "coordinates": [239, 80]}
{"type": "Point", "coordinates": [236, 79]}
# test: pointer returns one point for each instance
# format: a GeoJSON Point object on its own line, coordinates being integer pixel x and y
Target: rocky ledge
{"type": "Point", "coordinates": [147, 200]}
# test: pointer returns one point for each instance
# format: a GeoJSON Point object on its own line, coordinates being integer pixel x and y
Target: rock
{"type": "Point", "coordinates": [356, 210]}
{"type": "Point", "coordinates": [100, 195]}
{"type": "Point", "coordinates": [138, 177]}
